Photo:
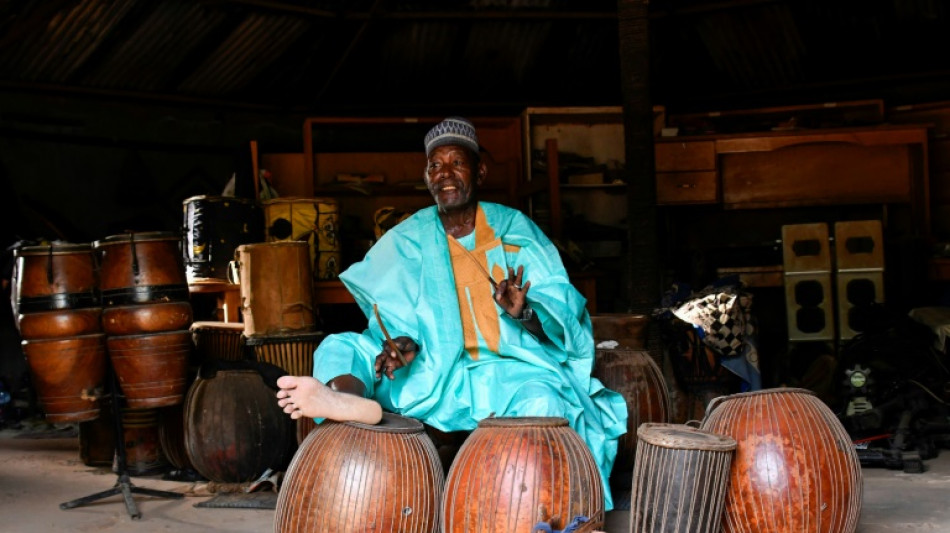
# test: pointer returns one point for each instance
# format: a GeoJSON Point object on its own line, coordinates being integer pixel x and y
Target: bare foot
{"type": "Point", "coordinates": [301, 396]}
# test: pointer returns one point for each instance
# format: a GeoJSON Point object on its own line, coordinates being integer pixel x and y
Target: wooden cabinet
{"type": "Point", "coordinates": [686, 172]}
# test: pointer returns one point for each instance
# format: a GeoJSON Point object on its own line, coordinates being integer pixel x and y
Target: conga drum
{"type": "Point", "coordinates": [219, 340]}
{"type": "Point", "coordinates": [795, 468]}
{"type": "Point", "coordinates": [276, 287]}
{"type": "Point", "coordinates": [214, 226]}
{"type": "Point", "coordinates": [357, 477]}
{"type": "Point", "coordinates": [293, 353]}
{"type": "Point", "coordinates": [152, 368]}
{"type": "Point", "coordinates": [510, 467]}
{"type": "Point", "coordinates": [637, 378]}
{"type": "Point", "coordinates": [234, 429]}
{"type": "Point", "coordinates": [146, 318]}
{"type": "Point", "coordinates": [54, 277]}
{"type": "Point", "coordinates": [68, 374]}
{"type": "Point", "coordinates": [312, 220]}
{"type": "Point", "coordinates": [680, 478]}
{"type": "Point", "coordinates": [138, 268]}
{"type": "Point", "coordinates": [60, 323]}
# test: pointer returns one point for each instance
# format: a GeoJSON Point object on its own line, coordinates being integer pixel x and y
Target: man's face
{"type": "Point", "coordinates": [451, 178]}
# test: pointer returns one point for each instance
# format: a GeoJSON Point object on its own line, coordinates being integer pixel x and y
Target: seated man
{"type": "Point", "coordinates": [482, 312]}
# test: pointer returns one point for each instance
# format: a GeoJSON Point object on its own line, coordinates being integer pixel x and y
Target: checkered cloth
{"type": "Point", "coordinates": [721, 316]}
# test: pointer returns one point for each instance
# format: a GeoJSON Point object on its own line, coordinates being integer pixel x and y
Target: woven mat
{"type": "Point", "coordinates": [241, 500]}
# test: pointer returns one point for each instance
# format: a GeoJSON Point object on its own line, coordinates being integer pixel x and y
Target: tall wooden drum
{"type": "Point", "coordinates": [511, 466]}
{"type": "Point", "coordinates": [795, 468]}
{"type": "Point", "coordinates": [634, 375]}
{"type": "Point", "coordinates": [54, 277]}
{"type": "Point", "coordinates": [152, 368]}
{"type": "Point", "coordinates": [312, 220]}
{"type": "Point", "coordinates": [68, 374]}
{"type": "Point", "coordinates": [276, 288]}
{"type": "Point", "coordinates": [358, 477]}
{"type": "Point", "coordinates": [138, 268]}
{"type": "Point", "coordinates": [214, 226]}
{"type": "Point", "coordinates": [680, 479]}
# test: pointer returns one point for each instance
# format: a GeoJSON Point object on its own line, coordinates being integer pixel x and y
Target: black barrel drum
{"type": "Point", "coordinates": [214, 226]}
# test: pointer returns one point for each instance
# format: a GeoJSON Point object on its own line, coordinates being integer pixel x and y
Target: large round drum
{"type": "Point", "coordinates": [795, 468]}
{"type": "Point", "coordinates": [234, 429]}
{"type": "Point", "coordinates": [214, 226]}
{"type": "Point", "coordinates": [637, 378]}
{"type": "Point", "coordinates": [276, 287]}
{"type": "Point", "coordinates": [680, 479]}
{"type": "Point", "coordinates": [53, 277]}
{"type": "Point", "coordinates": [138, 268]}
{"type": "Point", "coordinates": [68, 374]}
{"type": "Point", "coordinates": [152, 368]}
{"type": "Point", "coordinates": [511, 466]}
{"type": "Point", "coordinates": [312, 220]}
{"type": "Point", "coordinates": [358, 477]}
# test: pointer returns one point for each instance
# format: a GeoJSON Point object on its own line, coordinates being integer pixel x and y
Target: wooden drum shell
{"type": "Point", "coordinates": [680, 479]}
{"type": "Point", "coordinates": [146, 318]}
{"type": "Point", "coordinates": [356, 477]}
{"type": "Point", "coordinates": [141, 268]}
{"type": "Point", "coordinates": [52, 277]}
{"type": "Point", "coordinates": [234, 429]}
{"type": "Point", "coordinates": [795, 468]}
{"type": "Point", "coordinates": [67, 374]}
{"type": "Point", "coordinates": [60, 324]}
{"type": "Point", "coordinates": [637, 378]}
{"type": "Point", "coordinates": [510, 466]}
{"type": "Point", "coordinates": [152, 368]}
{"type": "Point", "coordinates": [276, 288]}
{"type": "Point", "coordinates": [219, 340]}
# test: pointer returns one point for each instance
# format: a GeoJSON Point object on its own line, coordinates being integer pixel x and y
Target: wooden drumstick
{"type": "Point", "coordinates": [389, 339]}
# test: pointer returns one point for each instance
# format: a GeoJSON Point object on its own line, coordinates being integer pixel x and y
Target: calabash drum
{"type": "Point", "coordinates": [795, 469]}
{"type": "Point", "coordinates": [679, 479]}
{"type": "Point", "coordinates": [293, 353]}
{"type": "Point", "coordinates": [60, 324]}
{"type": "Point", "coordinates": [637, 378]}
{"type": "Point", "coordinates": [67, 374]}
{"type": "Point", "coordinates": [53, 277]}
{"type": "Point", "coordinates": [146, 318]}
{"type": "Point", "coordinates": [138, 268]}
{"type": "Point", "coordinates": [214, 227]}
{"type": "Point", "coordinates": [171, 436]}
{"type": "Point", "coordinates": [357, 477]}
{"type": "Point", "coordinates": [509, 467]}
{"type": "Point", "coordinates": [152, 368]}
{"type": "Point", "coordinates": [276, 288]}
{"type": "Point", "coordinates": [218, 340]}
{"type": "Point", "coordinates": [312, 220]}
{"type": "Point", "coordinates": [234, 429]}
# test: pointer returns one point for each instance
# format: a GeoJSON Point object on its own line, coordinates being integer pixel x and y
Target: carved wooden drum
{"type": "Point", "coordinates": [152, 368]}
{"type": "Point", "coordinates": [680, 479]}
{"type": "Point", "coordinates": [54, 277]}
{"type": "Point", "coordinates": [510, 467]}
{"type": "Point", "coordinates": [357, 477]}
{"type": "Point", "coordinates": [795, 468]}
{"type": "Point", "coordinates": [68, 374]}
{"type": "Point", "coordinates": [138, 268]}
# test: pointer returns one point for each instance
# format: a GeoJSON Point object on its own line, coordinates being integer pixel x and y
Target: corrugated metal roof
{"type": "Point", "coordinates": [304, 55]}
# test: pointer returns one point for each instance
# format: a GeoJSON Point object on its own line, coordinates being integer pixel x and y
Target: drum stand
{"type": "Point", "coordinates": [123, 485]}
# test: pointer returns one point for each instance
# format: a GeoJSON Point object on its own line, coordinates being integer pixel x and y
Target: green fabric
{"type": "Point", "coordinates": [408, 273]}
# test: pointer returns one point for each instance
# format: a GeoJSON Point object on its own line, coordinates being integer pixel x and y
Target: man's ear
{"type": "Point", "coordinates": [482, 172]}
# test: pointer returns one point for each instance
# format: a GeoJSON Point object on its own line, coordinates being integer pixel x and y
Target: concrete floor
{"type": "Point", "coordinates": [37, 474]}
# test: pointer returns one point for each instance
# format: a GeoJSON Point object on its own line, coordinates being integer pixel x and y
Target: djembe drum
{"type": "Point", "coordinates": [276, 287]}
{"type": "Point", "coordinates": [357, 477]}
{"type": "Point", "coordinates": [680, 478]}
{"type": "Point", "coordinates": [510, 467]}
{"type": "Point", "coordinates": [311, 220]}
{"type": "Point", "coordinates": [58, 314]}
{"type": "Point", "coordinates": [219, 340]}
{"type": "Point", "coordinates": [146, 315]}
{"type": "Point", "coordinates": [293, 353]}
{"type": "Point", "coordinates": [795, 468]}
{"type": "Point", "coordinates": [214, 226]}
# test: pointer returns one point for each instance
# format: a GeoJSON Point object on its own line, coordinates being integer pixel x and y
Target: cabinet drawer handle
{"type": "Point", "coordinates": [687, 185]}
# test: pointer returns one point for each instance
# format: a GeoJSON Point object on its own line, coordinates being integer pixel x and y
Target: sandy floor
{"type": "Point", "coordinates": [36, 475]}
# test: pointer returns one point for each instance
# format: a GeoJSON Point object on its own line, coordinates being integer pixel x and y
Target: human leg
{"type": "Point", "coordinates": [301, 396]}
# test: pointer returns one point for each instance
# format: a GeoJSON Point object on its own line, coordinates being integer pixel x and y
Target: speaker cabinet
{"type": "Point", "coordinates": [809, 307]}
{"type": "Point", "coordinates": [859, 255]}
